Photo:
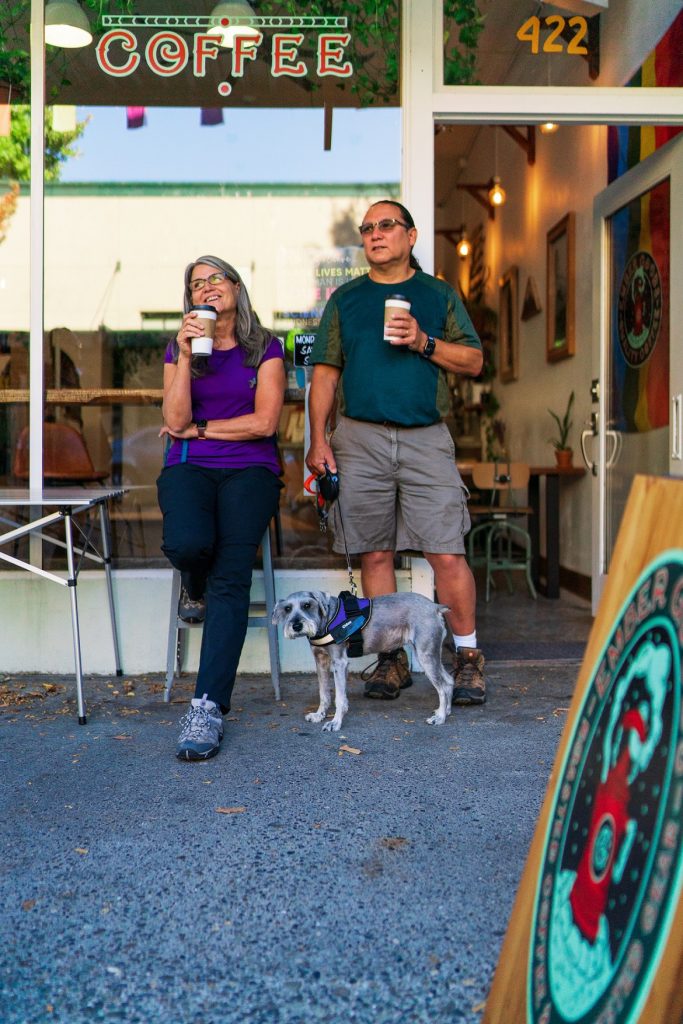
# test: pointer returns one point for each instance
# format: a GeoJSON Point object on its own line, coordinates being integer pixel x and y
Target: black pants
{"type": "Point", "coordinates": [214, 520]}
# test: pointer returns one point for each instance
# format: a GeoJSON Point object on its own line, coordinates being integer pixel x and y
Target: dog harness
{"type": "Point", "coordinates": [349, 618]}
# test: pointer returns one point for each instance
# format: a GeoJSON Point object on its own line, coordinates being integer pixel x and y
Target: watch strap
{"type": "Point", "coordinates": [428, 350]}
{"type": "Point", "coordinates": [201, 429]}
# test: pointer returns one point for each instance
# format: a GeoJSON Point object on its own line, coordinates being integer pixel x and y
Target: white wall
{"type": "Point", "coordinates": [570, 169]}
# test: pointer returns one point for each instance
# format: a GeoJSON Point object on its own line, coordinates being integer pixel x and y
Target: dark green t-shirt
{"type": "Point", "coordinates": [380, 381]}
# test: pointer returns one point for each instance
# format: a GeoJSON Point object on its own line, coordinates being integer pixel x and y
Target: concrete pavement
{"type": "Point", "coordinates": [289, 879]}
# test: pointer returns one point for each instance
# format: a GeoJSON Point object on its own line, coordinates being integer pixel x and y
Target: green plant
{"type": "Point", "coordinates": [564, 425]}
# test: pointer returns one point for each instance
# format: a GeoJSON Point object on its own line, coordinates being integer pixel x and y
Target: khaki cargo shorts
{"type": "Point", "coordinates": [400, 489]}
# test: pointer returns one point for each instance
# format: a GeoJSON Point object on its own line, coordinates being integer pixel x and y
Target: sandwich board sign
{"type": "Point", "coordinates": [596, 932]}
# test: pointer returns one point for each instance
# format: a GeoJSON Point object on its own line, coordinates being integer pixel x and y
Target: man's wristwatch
{"type": "Point", "coordinates": [201, 429]}
{"type": "Point", "coordinates": [428, 351]}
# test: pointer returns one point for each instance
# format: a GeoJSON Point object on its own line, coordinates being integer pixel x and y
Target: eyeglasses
{"type": "Point", "coordinates": [384, 225]}
{"type": "Point", "coordinates": [216, 278]}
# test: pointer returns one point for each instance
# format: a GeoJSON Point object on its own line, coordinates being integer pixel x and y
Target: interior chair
{"type": "Point", "coordinates": [260, 615]}
{"type": "Point", "coordinates": [497, 540]}
{"type": "Point", "coordinates": [66, 458]}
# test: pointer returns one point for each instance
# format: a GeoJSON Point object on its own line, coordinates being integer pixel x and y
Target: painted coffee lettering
{"type": "Point", "coordinates": [614, 650]}
{"type": "Point", "coordinates": [167, 54]}
{"type": "Point", "coordinates": [330, 56]}
{"type": "Point", "coordinates": [603, 680]}
{"type": "Point", "coordinates": [285, 48]}
{"type": "Point", "coordinates": [644, 602]}
{"type": "Point", "coordinates": [676, 607]}
{"type": "Point", "coordinates": [205, 48]}
{"type": "Point", "coordinates": [679, 759]}
{"type": "Point", "coordinates": [169, 48]}
{"type": "Point", "coordinates": [244, 48]}
{"type": "Point", "coordinates": [128, 42]}
{"type": "Point", "coordinates": [677, 797]}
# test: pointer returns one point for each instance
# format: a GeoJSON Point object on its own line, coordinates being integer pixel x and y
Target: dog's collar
{"type": "Point", "coordinates": [351, 614]}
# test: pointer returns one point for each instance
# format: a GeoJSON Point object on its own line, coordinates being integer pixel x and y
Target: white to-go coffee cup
{"type": "Point", "coordinates": [203, 346]}
{"type": "Point", "coordinates": [391, 306]}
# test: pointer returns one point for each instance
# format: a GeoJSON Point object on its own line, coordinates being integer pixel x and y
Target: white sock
{"type": "Point", "coordinates": [465, 641]}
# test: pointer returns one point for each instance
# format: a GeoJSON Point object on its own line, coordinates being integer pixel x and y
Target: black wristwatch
{"type": "Point", "coordinates": [201, 429]}
{"type": "Point", "coordinates": [428, 351]}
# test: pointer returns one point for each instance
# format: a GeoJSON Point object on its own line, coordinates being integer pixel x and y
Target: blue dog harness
{"type": "Point", "coordinates": [349, 618]}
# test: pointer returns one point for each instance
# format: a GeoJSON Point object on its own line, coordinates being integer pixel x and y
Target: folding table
{"type": "Point", "coordinates": [66, 504]}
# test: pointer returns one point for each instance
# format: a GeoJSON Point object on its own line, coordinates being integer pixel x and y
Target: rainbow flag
{"type": "Point", "coordinates": [641, 239]}
{"type": "Point", "coordinates": [628, 145]}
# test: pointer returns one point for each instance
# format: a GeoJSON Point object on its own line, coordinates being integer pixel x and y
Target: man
{"type": "Point", "coordinates": [400, 488]}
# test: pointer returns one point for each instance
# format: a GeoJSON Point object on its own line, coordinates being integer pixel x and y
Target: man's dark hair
{"type": "Point", "coordinates": [406, 216]}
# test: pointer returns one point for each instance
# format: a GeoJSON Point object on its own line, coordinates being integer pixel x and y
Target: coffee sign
{"type": "Point", "coordinates": [169, 50]}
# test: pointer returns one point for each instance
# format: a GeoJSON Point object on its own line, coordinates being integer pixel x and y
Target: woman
{"type": "Point", "coordinates": [220, 484]}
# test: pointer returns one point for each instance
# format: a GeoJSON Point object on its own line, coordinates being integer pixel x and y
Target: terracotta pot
{"type": "Point", "coordinates": [563, 457]}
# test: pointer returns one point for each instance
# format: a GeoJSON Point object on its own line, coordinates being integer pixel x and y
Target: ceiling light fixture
{"type": "Point", "coordinates": [66, 24]}
{"type": "Point", "coordinates": [229, 15]}
{"type": "Point", "coordinates": [497, 194]}
{"type": "Point", "coordinates": [549, 128]}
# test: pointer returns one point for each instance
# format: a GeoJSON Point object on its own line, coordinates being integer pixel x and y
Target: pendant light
{"type": "Point", "coordinates": [66, 24]}
{"type": "Point", "coordinates": [226, 32]}
{"type": "Point", "coordinates": [497, 194]}
{"type": "Point", "coordinates": [548, 128]}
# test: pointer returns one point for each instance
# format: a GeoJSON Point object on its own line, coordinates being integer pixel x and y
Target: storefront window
{"type": "Point", "coordinates": [571, 43]}
{"type": "Point", "coordinates": [118, 235]}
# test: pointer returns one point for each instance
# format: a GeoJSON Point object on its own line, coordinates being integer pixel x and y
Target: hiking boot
{"type": "Point", "coordinates": [387, 676]}
{"type": "Point", "coordinates": [189, 610]}
{"type": "Point", "coordinates": [468, 676]}
{"type": "Point", "coordinates": [202, 731]}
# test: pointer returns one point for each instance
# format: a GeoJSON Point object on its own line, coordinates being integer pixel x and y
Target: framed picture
{"type": "Point", "coordinates": [508, 330]}
{"type": "Point", "coordinates": [560, 296]}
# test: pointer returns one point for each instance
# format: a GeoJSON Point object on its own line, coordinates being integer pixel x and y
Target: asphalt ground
{"type": "Point", "coordinates": [363, 877]}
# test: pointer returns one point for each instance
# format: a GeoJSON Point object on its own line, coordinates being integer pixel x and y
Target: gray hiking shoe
{"type": "Point", "coordinates": [468, 676]}
{"type": "Point", "coordinates": [189, 610]}
{"type": "Point", "coordinates": [202, 731]}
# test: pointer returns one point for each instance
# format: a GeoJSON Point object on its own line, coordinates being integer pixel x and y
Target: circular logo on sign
{"type": "Point", "coordinates": [612, 867]}
{"type": "Point", "coordinates": [639, 312]}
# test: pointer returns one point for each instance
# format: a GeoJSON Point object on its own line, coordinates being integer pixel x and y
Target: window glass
{"type": "Point", "coordinates": [589, 43]}
{"type": "Point", "coordinates": [265, 153]}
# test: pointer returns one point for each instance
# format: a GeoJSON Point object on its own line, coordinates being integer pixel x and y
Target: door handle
{"type": "Point", "coordinates": [677, 426]}
{"type": "Point", "coordinates": [585, 434]}
{"type": "Point", "coordinates": [616, 448]}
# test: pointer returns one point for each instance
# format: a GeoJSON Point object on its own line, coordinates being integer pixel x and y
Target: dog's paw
{"type": "Point", "coordinates": [436, 719]}
{"type": "Point", "coordinates": [332, 726]}
{"type": "Point", "coordinates": [315, 716]}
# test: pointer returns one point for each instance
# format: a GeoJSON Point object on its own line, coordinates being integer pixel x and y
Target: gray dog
{"type": "Point", "coordinates": [396, 619]}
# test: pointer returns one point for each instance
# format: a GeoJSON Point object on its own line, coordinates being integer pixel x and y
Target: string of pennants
{"type": "Point", "coordinates": [64, 116]}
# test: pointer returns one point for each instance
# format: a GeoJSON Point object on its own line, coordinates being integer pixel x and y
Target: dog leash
{"type": "Point", "coordinates": [327, 491]}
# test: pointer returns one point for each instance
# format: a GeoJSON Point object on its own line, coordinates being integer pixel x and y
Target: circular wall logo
{"type": "Point", "coordinates": [639, 312]}
{"type": "Point", "coordinates": [611, 871]}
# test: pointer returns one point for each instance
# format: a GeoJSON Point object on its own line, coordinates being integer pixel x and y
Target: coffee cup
{"type": "Point", "coordinates": [391, 306]}
{"type": "Point", "coordinates": [203, 345]}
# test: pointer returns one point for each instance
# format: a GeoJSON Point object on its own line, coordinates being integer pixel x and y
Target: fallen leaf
{"type": "Point", "coordinates": [28, 904]}
{"type": "Point", "coordinates": [467, 981]}
{"type": "Point", "coordinates": [230, 810]}
{"type": "Point", "coordinates": [123, 737]}
{"type": "Point", "coordinates": [395, 843]}
{"type": "Point", "coordinates": [559, 711]}
{"type": "Point", "coordinates": [478, 1007]}
{"type": "Point", "coordinates": [349, 750]}
{"type": "Point", "coordinates": [81, 849]}
{"type": "Point", "coordinates": [50, 687]}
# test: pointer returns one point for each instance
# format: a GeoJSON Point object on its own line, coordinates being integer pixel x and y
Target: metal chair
{"type": "Point", "coordinates": [504, 545]}
{"type": "Point", "coordinates": [260, 615]}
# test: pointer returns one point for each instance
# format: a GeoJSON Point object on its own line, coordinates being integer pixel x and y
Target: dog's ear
{"type": "Point", "coordinates": [279, 612]}
{"type": "Point", "coordinates": [324, 602]}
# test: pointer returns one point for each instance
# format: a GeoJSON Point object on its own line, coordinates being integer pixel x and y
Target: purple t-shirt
{"type": "Point", "coordinates": [226, 391]}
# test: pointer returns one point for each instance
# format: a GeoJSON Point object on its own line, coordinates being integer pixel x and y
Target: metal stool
{"type": "Point", "coordinates": [260, 614]}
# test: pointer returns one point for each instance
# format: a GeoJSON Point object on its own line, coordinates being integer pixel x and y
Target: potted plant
{"type": "Point", "coordinates": [563, 453]}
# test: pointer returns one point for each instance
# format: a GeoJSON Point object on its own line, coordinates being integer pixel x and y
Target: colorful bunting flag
{"type": "Point", "coordinates": [135, 117]}
{"type": "Point", "coordinates": [212, 115]}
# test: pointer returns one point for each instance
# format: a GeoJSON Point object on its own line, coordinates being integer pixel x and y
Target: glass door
{"type": "Point", "coordinates": [640, 373]}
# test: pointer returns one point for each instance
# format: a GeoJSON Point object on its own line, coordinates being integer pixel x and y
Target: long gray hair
{"type": "Point", "coordinates": [252, 338]}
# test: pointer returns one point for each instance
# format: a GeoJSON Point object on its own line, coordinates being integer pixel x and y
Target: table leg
{"type": "Point", "coordinates": [535, 528]}
{"type": "Point", "coordinates": [72, 582]}
{"type": "Point", "coordinates": [106, 553]}
{"type": "Point", "coordinates": [552, 535]}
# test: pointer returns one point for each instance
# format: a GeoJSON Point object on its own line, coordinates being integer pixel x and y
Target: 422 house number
{"type": "Point", "coordinates": [530, 32]}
